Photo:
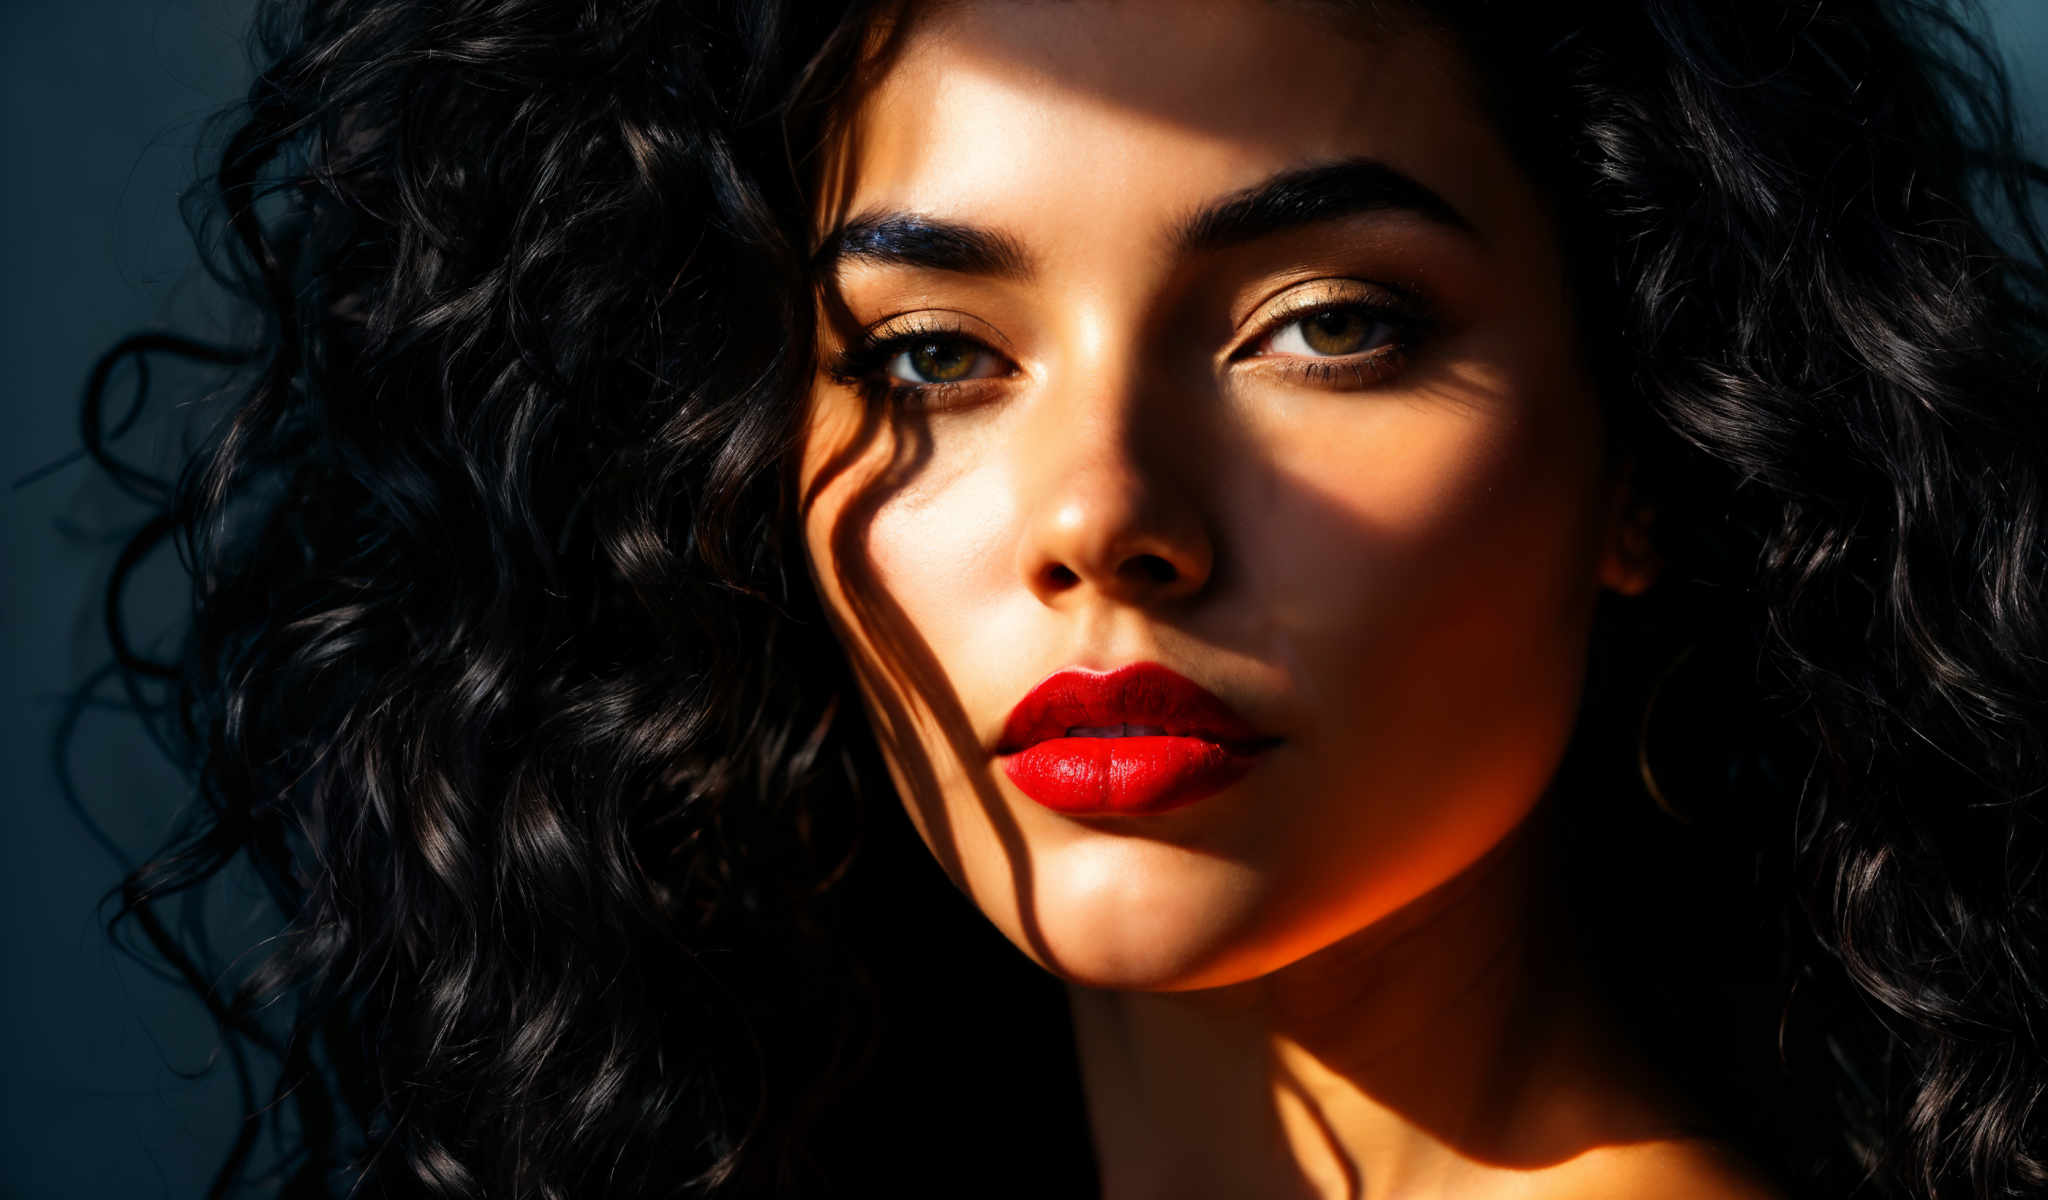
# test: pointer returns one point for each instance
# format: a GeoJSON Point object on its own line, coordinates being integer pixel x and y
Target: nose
{"type": "Point", "coordinates": [1109, 507]}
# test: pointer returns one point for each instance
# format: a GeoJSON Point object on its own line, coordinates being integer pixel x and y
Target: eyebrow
{"type": "Point", "coordinates": [909, 240]}
{"type": "Point", "coordinates": [1312, 194]}
{"type": "Point", "coordinates": [1284, 202]}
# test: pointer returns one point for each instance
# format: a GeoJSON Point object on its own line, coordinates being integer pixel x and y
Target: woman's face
{"type": "Point", "coordinates": [1225, 338]}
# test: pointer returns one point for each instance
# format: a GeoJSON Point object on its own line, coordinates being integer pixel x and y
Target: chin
{"type": "Point", "coordinates": [1132, 915]}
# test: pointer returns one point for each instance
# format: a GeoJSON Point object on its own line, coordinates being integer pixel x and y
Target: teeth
{"type": "Point", "coordinates": [1124, 730]}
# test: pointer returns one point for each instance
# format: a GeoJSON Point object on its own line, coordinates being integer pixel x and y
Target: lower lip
{"type": "Point", "coordinates": [1089, 775]}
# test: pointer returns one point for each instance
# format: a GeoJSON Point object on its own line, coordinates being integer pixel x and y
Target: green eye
{"type": "Point", "coordinates": [936, 360]}
{"type": "Point", "coordinates": [1345, 344]}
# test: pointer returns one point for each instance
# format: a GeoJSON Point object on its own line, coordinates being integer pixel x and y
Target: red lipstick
{"type": "Point", "coordinates": [1139, 739]}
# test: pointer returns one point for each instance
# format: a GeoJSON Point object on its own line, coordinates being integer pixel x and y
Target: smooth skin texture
{"type": "Point", "coordinates": [1345, 472]}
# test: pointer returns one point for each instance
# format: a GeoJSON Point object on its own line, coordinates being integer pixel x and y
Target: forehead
{"type": "Point", "coordinates": [1010, 111]}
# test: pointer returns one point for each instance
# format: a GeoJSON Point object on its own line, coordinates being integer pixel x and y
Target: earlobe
{"type": "Point", "coordinates": [1629, 561]}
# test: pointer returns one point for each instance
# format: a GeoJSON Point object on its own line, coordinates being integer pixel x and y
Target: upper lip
{"type": "Point", "coordinates": [1142, 693]}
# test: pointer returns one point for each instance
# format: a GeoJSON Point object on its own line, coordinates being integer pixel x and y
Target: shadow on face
{"type": "Point", "coordinates": [1236, 344]}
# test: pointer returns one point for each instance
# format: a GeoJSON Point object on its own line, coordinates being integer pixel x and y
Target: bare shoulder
{"type": "Point", "coordinates": [1675, 1169]}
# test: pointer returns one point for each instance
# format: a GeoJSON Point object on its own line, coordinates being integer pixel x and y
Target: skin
{"type": "Point", "coordinates": [1342, 975]}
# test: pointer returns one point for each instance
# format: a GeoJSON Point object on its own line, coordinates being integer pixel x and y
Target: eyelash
{"type": "Point", "coordinates": [862, 363]}
{"type": "Point", "coordinates": [1408, 325]}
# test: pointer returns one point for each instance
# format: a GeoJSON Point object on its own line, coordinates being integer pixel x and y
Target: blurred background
{"type": "Point", "coordinates": [114, 1084]}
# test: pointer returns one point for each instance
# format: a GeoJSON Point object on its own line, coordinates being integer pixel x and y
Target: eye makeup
{"type": "Point", "coordinates": [914, 341]}
{"type": "Point", "coordinates": [1340, 334]}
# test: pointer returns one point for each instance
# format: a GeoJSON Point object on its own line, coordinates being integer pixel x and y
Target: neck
{"type": "Point", "coordinates": [1456, 1039]}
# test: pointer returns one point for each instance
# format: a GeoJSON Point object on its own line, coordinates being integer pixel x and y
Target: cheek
{"type": "Point", "coordinates": [908, 549]}
{"type": "Point", "coordinates": [1435, 565]}
{"type": "Point", "coordinates": [902, 558]}
{"type": "Point", "coordinates": [944, 546]}
{"type": "Point", "coordinates": [920, 523]}
{"type": "Point", "coordinates": [1430, 535]}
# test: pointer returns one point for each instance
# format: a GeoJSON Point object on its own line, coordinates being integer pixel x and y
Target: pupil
{"type": "Point", "coordinates": [1335, 331]}
{"type": "Point", "coordinates": [942, 361]}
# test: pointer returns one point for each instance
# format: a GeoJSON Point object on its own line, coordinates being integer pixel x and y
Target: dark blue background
{"type": "Point", "coordinates": [105, 108]}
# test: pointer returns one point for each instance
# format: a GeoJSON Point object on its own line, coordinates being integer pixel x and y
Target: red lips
{"type": "Point", "coordinates": [1139, 739]}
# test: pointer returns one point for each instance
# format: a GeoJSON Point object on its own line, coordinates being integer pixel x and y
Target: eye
{"type": "Point", "coordinates": [929, 360]}
{"type": "Point", "coordinates": [1332, 332]}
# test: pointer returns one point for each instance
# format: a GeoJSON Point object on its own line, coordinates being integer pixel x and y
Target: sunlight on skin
{"type": "Point", "coordinates": [1334, 977]}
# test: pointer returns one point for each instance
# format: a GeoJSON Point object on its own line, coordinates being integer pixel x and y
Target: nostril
{"type": "Point", "coordinates": [1062, 575]}
{"type": "Point", "coordinates": [1149, 568]}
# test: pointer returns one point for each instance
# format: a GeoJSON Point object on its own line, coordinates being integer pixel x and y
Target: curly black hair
{"type": "Point", "coordinates": [505, 674]}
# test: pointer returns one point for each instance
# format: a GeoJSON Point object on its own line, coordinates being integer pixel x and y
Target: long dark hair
{"type": "Point", "coordinates": [505, 674]}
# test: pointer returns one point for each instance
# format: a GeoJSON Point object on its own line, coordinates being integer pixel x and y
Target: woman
{"type": "Point", "coordinates": [1465, 577]}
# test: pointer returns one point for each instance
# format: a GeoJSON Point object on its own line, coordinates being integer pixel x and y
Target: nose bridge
{"type": "Point", "coordinates": [1109, 507]}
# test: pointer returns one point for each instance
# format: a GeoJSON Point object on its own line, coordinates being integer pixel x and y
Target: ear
{"type": "Point", "coordinates": [1628, 555]}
